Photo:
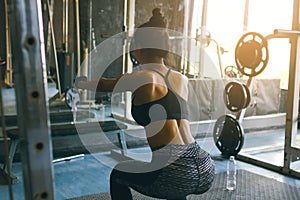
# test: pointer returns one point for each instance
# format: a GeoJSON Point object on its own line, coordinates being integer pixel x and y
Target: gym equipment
{"type": "Point", "coordinates": [77, 26]}
{"type": "Point", "coordinates": [251, 57]}
{"type": "Point", "coordinates": [6, 174]}
{"type": "Point", "coordinates": [72, 97]}
{"type": "Point", "coordinates": [62, 116]}
{"type": "Point", "coordinates": [232, 72]}
{"type": "Point", "coordinates": [134, 61]}
{"type": "Point", "coordinates": [228, 135]}
{"type": "Point", "coordinates": [251, 54]}
{"type": "Point", "coordinates": [248, 100]}
{"type": "Point", "coordinates": [66, 69]}
{"type": "Point", "coordinates": [68, 130]}
{"type": "Point", "coordinates": [236, 96]}
{"type": "Point", "coordinates": [8, 76]}
{"type": "Point", "coordinates": [29, 53]}
{"type": "Point", "coordinates": [51, 41]}
{"type": "Point", "coordinates": [64, 60]}
{"type": "Point", "coordinates": [204, 39]}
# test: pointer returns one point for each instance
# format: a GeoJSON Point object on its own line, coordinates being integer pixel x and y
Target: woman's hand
{"type": "Point", "coordinates": [78, 80]}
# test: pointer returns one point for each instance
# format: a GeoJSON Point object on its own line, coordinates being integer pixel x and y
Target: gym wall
{"type": "Point", "coordinates": [107, 19]}
{"type": "Point", "coordinates": [174, 11]}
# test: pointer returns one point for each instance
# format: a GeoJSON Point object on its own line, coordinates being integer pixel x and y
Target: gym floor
{"type": "Point", "coordinates": [89, 173]}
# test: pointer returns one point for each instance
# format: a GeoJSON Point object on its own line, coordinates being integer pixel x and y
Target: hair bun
{"type": "Point", "coordinates": [158, 20]}
{"type": "Point", "coordinates": [156, 12]}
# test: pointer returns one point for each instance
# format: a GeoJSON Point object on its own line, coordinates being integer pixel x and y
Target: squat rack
{"type": "Point", "coordinates": [290, 149]}
{"type": "Point", "coordinates": [31, 94]}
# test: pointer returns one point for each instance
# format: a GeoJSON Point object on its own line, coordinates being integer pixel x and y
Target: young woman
{"type": "Point", "coordinates": [179, 166]}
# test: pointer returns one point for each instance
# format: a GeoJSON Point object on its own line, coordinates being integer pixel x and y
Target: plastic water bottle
{"type": "Point", "coordinates": [231, 174]}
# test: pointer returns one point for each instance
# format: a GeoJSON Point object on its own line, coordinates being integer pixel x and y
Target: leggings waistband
{"type": "Point", "coordinates": [182, 150]}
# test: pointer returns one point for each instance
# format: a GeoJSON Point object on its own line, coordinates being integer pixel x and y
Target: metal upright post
{"type": "Point", "coordinates": [129, 14]}
{"type": "Point", "coordinates": [203, 30]}
{"type": "Point", "coordinates": [246, 14]}
{"type": "Point", "coordinates": [293, 92]}
{"type": "Point", "coordinates": [31, 93]}
{"type": "Point", "coordinates": [78, 62]}
{"type": "Point", "coordinates": [290, 148]}
{"type": "Point", "coordinates": [8, 75]}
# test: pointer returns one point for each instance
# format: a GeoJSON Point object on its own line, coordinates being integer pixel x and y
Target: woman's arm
{"type": "Point", "coordinates": [123, 83]}
{"type": "Point", "coordinates": [100, 85]}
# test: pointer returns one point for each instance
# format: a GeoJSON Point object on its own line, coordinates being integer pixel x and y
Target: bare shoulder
{"type": "Point", "coordinates": [179, 76]}
{"type": "Point", "coordinates": [179, 83]}
{"type": "Point", "coordinates": [134, 80]}
{"type": "Point", "coordinates": [138, 75]}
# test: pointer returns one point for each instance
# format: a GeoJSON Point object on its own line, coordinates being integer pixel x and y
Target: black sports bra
{"type": "Point", "coordinates": [171, 106]}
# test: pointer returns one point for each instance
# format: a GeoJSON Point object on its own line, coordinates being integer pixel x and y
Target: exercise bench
{"type": "Point", "coordinates": [68, 129]}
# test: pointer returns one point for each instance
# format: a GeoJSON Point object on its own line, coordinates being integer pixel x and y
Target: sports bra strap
{"type": "Point", "coordinates": [164, 76]}
{"type": "Point", "coordinates": [176, 110]}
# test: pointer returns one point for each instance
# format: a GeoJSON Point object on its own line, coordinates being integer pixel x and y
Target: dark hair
{"type": "Point", "coordinates": [157, 20]}
{"type": "Point", "coordinates": [153, 33]}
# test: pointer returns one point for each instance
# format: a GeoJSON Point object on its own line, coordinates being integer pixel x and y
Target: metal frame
{"type": "Point", "coordinates": [129, 13]}
{"type": "Point", "coordinates": [68, 129]}
{"type": "Point", "coordinates": [203, 30]}
{"type": "Point", "coordinates": [8, 75]}
{"type": "Point", "coordinates": [293, 92]}
{"type": "Point", "coordinates": [77, 26]}
{"type": "Point", "coordinates": [292, 101]}
{"type": "Point", "coordinates": [33, 114]}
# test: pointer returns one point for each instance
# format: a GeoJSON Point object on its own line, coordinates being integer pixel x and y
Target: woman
{"type": "Point", "coordinates": [178, 167]}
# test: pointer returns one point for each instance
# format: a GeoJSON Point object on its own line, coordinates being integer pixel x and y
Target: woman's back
{"type": "Point", "coordinates": [160, 105]}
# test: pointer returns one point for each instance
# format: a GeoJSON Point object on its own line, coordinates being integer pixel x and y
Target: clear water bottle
{"type": "Point", "coordinates": [231, 174]}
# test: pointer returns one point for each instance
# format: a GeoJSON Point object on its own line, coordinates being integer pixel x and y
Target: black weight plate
{"type": "Point", "coordinates": [235, 96]}
{"type": "Point", "coordinates": [228, 135]}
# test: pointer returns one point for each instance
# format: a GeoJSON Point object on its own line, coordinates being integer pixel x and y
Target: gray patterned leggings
{"type": "Point", "coordinates": [174, 172]}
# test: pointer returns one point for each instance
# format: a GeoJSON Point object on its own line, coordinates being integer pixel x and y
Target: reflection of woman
{"type": "Point", "coordinates": [178, 167]}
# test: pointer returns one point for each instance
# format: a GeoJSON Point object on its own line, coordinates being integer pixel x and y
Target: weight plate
{"type": "Point", "coordinates": [232, 72]}
{"type": "Point", "coordinates": [72, 97]}
{"type": "Point", "coordinates": [228, 135]}
{"type": "Point", "coordinates": [235, 96]}
{"type": "Point", "coordinates": [251, 54]}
